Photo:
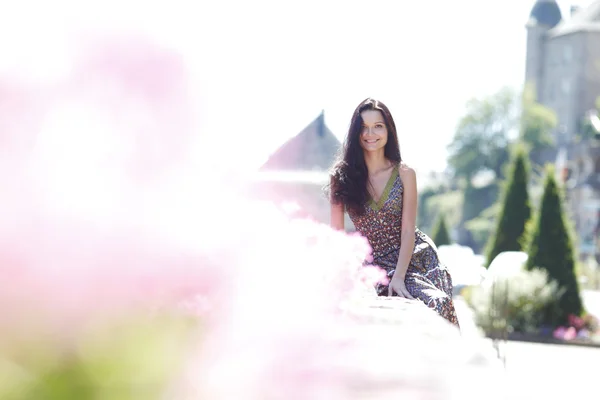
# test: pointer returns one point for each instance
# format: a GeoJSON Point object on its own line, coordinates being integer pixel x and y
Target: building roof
{"type": "Point", "coordinates": [546, 13]}
{"type": "Point", "coordinates": [313, 149]}
{"type": "Point", "coordinates": [586, 19]}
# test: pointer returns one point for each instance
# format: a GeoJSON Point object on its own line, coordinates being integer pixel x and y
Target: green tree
{"type": "Point", "coordinates": [537, 121]}
{"type": "Point", "coordinates": [483, 227]}
{"type": "Point", "coordinates": [423, 217]}
{"type": "Point", "coordinates": [482, 137]}
{"type": "Point", "coordinates": [440, 234]}
{"type": "Point", "coordinates": [515, 211]}
{"type": "Point", "coordinates": [551, 247]}
{"type": "Point", "coordinates": [473, 231]}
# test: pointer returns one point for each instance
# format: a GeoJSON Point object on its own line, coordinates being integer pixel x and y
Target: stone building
{"type": "Point", "coordinates": [313, 149]}
{"type": "Point", "coordinates": [297, 172]}
{"type": "Point", "coordinates": [563, 64]}
{"type": "Point", "coordinates": [582, 181]}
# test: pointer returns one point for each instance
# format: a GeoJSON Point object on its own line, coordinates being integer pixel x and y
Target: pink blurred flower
{"type": "Point", "coordinates": [288, 287]}
{"type": "Point", "coordinates": [570, 333]}
{"type": "Point", "coordinates": [576, 322]}
{"type": "Point", "coordinates": [372, 275]}
{"type": "Point", "coordinates": [108, 221]}
{"type": "Point", "coordinates": [83, 234]}
{"type": "Point", "coordinates": [583, 334]}
{"type": "Point", "coordinates": [564, 333]}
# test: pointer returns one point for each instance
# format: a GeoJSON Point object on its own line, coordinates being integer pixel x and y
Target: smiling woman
{"type": "Point", "coordinates": [374, 133]}
{"type": "Point", "coordinates": [379, 192]}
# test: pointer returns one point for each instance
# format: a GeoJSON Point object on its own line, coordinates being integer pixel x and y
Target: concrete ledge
{"type": "Point", "coordinates": [400, 347]}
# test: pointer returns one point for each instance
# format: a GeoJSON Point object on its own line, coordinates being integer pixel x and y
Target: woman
{"type": "Point", "coordinates": [379, 192]}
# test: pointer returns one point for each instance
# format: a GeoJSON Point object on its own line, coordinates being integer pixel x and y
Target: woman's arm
{"type": "Point", "coordinates": [409, 216]}
{"type": "Point", "coordinates": [337, 216]}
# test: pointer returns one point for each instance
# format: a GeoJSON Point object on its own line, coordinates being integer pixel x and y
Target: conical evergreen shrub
{"type": "Point", "coordinates": [515, 211]}
{"type": "Point", "coordinates": [551, 248]}
{"type": "Point", "coordinates": [440, 234]}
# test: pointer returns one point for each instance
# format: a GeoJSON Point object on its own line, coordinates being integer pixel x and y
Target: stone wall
{"type": "Point", "coordinates": [401, 349]}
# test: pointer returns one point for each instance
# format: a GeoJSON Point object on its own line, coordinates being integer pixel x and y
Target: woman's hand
{"type": "Point", "coordinates": [397, 285]}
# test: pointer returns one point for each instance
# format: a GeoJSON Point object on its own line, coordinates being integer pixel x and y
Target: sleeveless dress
{"type": "Point", "coordinates": [427, 279]}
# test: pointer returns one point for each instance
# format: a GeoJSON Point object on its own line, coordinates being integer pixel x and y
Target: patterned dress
{"type": "Point", "coordinates": [427, 279]}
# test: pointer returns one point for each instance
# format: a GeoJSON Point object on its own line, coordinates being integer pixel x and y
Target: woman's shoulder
{"type": "Point", "coordinates": [405, 170]}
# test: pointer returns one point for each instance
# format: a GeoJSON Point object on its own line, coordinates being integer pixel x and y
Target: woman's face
{"type": "Point", "coordinates": [374, 134]}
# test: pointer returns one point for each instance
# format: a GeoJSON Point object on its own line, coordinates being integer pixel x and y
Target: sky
{"type": "Point", "coordinates": [265, 69]}
{"type": "Point", "coordinates": [286, 61]}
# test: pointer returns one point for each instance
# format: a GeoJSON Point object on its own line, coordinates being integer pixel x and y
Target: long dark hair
{"type": "Point", "coordinates": [349, 175]}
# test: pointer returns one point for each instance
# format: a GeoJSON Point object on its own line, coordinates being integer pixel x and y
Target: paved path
{"type": "Point", "coordinates": [542, 371]}
{"type": "Point", "coordinates": [545, 371]}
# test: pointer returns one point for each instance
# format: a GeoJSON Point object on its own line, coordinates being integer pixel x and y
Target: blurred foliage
{"type": "Point", "coordinates": [440, 235]}
{"type": "Point", "coordinates": [477, 223]}
{"type": "Point", "coordinates": [482, 226]}
{"type": "Point", "coordinates": [515, 210]}
{"type": "Point", "coordinates": [588, 274]}
{"type": "Point", "coordinates": [482, 139]}
{"type": "Point", "coordinates": [128, 359]}
{"type": "Point", "coordinates": [434, 202]}
{"type": "Point", "coordinates": [488, 132]}
{"type": "Point", "coordinates": [523, 302]}
{"type": "Point", "coordinates": [550, 246]}
{"type": "Point", "coordinates": [537, 121]}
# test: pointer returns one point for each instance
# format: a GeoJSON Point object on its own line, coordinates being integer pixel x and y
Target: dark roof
{"type": "Point", "coordinates": [314, 148]}
{"type": "Point", "coordinates": [586, 19]}
{"type": "Point", "coordinates": [546, 12]}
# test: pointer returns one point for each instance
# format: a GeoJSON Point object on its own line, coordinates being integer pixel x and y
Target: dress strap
{"type": "Point", "coordinates": [386, 191]}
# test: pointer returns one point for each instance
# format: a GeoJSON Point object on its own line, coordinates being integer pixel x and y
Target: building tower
{"type": "Point", "coordinates": [544, 16]}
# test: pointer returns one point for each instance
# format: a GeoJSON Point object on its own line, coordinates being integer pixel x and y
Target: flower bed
{"type": "Point", "coordinates": [514, 308]}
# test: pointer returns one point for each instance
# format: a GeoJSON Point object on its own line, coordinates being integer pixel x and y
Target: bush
{"type": "Point", "coordinates": [518, 303]}
{"type": "Point", "coordinates": [440, 234]}
{"type": "Point", "coordinates": [516, 210]}
{"type": "Point", "coordinates": [550, 247]}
